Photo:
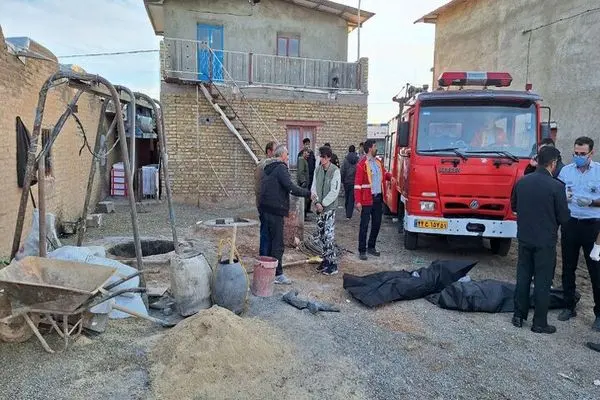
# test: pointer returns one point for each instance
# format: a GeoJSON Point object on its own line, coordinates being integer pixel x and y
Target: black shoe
{"type": "Point", "coordinates": [363, 256]}
{"type": "Point", "coordinates": [549, 329]}
{"type": "Point", "coordinates": [593, 346]}
{"type": "Point", "coordinates": [517, 322]}
{"type": "Point", "coordinates": [332, 269]}
{"type": "Point", "coordinates": [596, 324]}
{"type": "Point", "coordinates": [566, 315]}
{"type": "Point", "coordinates": [321, 267]}
{"type": "Point", "coordinates": [373, 252]}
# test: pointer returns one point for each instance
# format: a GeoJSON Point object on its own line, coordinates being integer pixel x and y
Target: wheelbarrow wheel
{"type": "Point", "coordinates": [17, 330]}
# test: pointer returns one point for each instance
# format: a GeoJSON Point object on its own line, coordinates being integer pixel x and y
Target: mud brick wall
{"type": "Point", "coordinates": [206, 160]}
{"type": "Point", "coordinates": [20, 82]}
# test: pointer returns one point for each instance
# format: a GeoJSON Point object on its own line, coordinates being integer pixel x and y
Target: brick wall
{"type": "Point", "coordinates": [20, 82]}
{"type": "Point", "coordinates": [195, 143]}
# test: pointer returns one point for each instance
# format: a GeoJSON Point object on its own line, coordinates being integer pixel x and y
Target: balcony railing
{"type": "Point", "coordinates": [193, 60]}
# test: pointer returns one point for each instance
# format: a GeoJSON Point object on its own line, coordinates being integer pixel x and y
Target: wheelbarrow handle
{"type": "Point", "coordinates": [122, 280]}
{"type": "Point", "coordinates": [115, 294]}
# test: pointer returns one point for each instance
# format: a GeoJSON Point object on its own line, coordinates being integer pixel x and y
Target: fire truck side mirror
{"type": "Point", "coordinates": [403, 132]}
{"type": "Point", "coordinates": [545, 129]}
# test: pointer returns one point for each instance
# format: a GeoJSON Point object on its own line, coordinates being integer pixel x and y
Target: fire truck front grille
{"type": "Point", "coordinates": [467, 206]}
{"type": "Point", "coordinates": [479, 216]}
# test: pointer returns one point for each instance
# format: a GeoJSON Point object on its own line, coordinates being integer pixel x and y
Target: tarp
{"type": "Point", "coordinates": [489, 296]}
{"type": "Point", "coordinates": [384, 287]}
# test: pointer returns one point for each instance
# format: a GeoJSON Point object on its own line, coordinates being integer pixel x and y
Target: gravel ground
{"type": "Point", "coordinates": [411, 350]}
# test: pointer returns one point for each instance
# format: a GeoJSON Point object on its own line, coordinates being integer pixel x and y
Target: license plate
{"type": "Point", "coordinates": [431, 224]}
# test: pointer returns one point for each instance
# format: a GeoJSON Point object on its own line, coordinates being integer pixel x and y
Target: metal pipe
{"type": "Point", "coordinates": [128, 175]}
{"type": "Point", "coordinates": [61, 122]}
{"type": "Point", "coordinates": [131, 107]}
{"type": "Point", "coordinates": [88, 192]}
{"type": "Point", "coordinates": [358, 33]}
{"type": "Point", "coordinates": [160, 128]}
{"type": "Point", "coordinates": [42, 205]}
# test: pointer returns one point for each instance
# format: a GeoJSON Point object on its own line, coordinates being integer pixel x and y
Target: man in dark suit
{"type": "Point", "coordinates": [540, 202]}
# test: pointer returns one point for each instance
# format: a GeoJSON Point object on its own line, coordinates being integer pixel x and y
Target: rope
{"type": "Point", "coordinates": [215, 270]}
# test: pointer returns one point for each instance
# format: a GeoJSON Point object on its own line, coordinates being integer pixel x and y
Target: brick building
{"type": "Point", "coordinates": [551, 44]}
{"type": "Point", "coordinates": [236, 75]}
{"type": "Point", "coordinates": [21, 78]}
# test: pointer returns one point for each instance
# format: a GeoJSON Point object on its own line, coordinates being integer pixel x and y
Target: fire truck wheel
{"type": "Point", "coordinates": [501, 246]}
{"type": "Point", "coordinates": [400, 217]}
{"type": "Point", "coordinates": [410, 240]}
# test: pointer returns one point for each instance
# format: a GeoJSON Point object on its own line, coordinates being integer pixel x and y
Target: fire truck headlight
{"type": "Point", "coordinates": [427, 206]}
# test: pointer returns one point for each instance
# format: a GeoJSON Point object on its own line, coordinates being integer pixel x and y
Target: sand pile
{"type": "Point", "coordinates": [216, 355]}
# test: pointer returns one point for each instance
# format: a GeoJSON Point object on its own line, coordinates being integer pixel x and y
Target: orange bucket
{"type": "Point", "coordinates": [263, 276]}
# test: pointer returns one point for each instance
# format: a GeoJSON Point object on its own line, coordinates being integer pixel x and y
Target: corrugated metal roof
{"type": "Point", "coordinates": [431, 17]}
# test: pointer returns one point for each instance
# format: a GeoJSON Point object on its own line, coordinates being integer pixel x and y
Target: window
{"type": "Point", "coordinates": [477, 129]}
{"type": "Point", "coordinates": [46, 134]}
{"type": "Point", "coordinates": [288, 46]}
{"type": "Point", "coordinates": [390, 145]}
{"type": "Point", "coordinates": [295, 136]}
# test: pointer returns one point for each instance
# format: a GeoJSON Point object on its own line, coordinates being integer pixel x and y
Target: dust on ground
{"type": "Point", "coordinates": [410, 349]}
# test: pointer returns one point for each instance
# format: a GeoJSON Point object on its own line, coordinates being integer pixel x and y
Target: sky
{"type": "Point", "coordinates": [399, 51]}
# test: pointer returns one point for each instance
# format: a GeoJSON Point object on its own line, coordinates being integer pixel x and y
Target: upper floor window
{"type": "Point", "coordinates": [288, 45]}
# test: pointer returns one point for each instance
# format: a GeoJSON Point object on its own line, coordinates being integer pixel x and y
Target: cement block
{"type": "Point", "coordinates": [105, 207]}
{"type": "Point", "coordinates": [93, 221]}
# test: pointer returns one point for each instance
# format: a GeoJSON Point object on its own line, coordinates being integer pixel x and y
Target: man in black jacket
{"type": "Point", "coordinates": [274, 204]}
{"type": "Point", "coordinates": [312, 162]}
{"type": "Point", "coordinates": [348, 172]}
{"type": "Point", "coordinates": [540, 202]}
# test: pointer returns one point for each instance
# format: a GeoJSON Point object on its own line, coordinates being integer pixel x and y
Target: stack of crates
{"type": "Point", "coordinates": [118, 182]}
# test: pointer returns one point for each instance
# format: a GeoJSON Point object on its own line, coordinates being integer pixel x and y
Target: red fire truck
{"type": "Point", "coordinates": [455, 155]}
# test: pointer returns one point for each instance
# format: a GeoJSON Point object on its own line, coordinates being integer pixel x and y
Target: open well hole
{"type": "Point", "coordinates": [149, 248]}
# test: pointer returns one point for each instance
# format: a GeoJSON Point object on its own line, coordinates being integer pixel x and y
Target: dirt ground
{"type": "Point", "coordinates": [404, 350]}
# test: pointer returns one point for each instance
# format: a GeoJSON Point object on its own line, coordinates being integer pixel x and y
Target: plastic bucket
{"type": "Point", "coordinates": [263, 276]}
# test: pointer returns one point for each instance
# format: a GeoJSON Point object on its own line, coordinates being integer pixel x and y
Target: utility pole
{"type": "Point", "coordinates": [358, 49]}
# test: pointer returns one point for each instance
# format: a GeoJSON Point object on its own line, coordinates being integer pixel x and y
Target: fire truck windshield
{"type": "Point", "coordinates": [477, 129]}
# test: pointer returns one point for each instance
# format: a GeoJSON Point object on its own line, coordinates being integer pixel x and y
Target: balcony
{"type": "Point", "coordinates": [191, 60]}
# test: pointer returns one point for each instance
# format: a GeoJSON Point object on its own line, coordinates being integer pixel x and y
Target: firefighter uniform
{"type": "Point", "coordinates": [369, 192]}
{"type": "Point", "coordinates": [581, 230]}
{"type": "Point", "coordinates": [541, 206]}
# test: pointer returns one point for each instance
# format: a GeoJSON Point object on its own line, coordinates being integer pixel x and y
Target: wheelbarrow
{"type": "Point", "coordinates": [42, 289]}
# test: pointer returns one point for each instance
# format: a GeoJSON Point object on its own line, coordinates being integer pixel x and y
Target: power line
{"type": "Point", "coordinates": [115, 53]}
{"type": "Point", "coordinates": [562, 19]}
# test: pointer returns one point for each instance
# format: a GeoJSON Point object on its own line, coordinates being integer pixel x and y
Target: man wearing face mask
{"type": "Point", "coordinates": [582, 181]}
{"type": "Point", "coordinates": [541, 206]}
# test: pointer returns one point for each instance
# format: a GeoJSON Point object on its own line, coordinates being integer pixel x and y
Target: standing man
{"type": "Point", "coordinates": [274, 204]}
{"type": "Point", "coordinates": [582, 180]}
{"type": "Point", "coordinates": [311, 160]}
{"type": "Point", "coordinates": [533, 162]}
{"type": "Point", "coordinates": [326, 189]}
{"type": "Point", "coordinates": [264, 246]}
{"type": "Point", "coordinates": [368, 196]}
{"type": "Point", "coordinates": [348, 173]}
{"type": "Point", "coordinates": [541, 206]}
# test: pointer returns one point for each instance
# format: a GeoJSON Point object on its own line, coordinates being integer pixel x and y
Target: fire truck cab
{"type": "Point", "coordinates": [455, 155]}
